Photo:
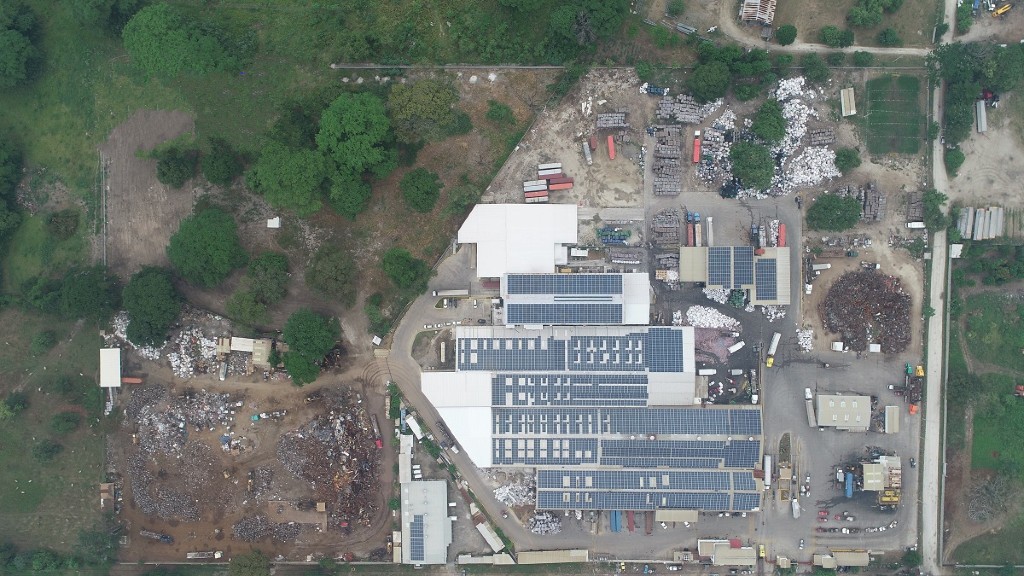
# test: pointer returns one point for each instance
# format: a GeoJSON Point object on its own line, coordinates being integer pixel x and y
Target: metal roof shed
{"type": "Point", "coordinates": [848, 102]}
{"type": "Point", "coordinates": [110, 367]}
{"type": "Point", "coordinates": [426, 528]}
{"type": "Point", "coordinates": [982, 116]}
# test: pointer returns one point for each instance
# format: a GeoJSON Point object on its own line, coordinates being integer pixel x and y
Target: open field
{"type": "Point", "coordinates": [893, 114]}
{"type": "Point", "coordinates": [994, 165]}
{"type": "Point", "coordinates": [46, 504]}
{"type": "Point", "coordinates": [914, 21]}
{"type": "Point", "coordinates": [994, 334]}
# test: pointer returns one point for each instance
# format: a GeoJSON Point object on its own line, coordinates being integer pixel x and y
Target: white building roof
{"type": "Point", "coordinates": [110, 367]}
{"type": "Point", "coordinates": [519, 237]}
{"type": "Point", "coordinates": [844, 412]}
{"type": "Point", "coordinates": [426, 528]}
{"type": "Point", "coordinates": [576, 299]}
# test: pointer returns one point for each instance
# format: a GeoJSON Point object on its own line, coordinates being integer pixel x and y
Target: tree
{"type": "Point", "coordinates": [310, 337]}
{"type": "Point", "coordinates": [422, 110]}
{"type": "Point", "coordinates": [846, 38]}
{"type": "Point", "coordinates": [830, 36]}
{"type": "Point", "coordinates": [16, 402]}
{"type": "Point", "coordinates": [163, 40]}
{"type": "Point", "coordinates": [847, 159]}
{"type": "Point", "coordinates": [205, 249]}
{"type": "Point", "coordinates": [709, 81]}
{"type": "Point", "coordinates": [752, 164]}
{"type": "Point", "coordinates": [407, 273]}
{"type": "Point", "coordinates": [220, 163]}
{"type": "Point", "coordinates": [152, 304]}
{"type": "Point", "coordinates": [268, 277]}
{"type": "Point", "coordinates": [675, 7]}
{"type": "Point", "coordinates": [864, 17]}
{"type": "Point", "coordinates": [10, 166]}
{"type": "Point", "coordinates": [833, 213]}
{"type": "Point", "coordinates": [332, 273]}
{"type": "Point", "coordinates": [91, 293]}
{"type": "Point", "coordinates": [954, 159]}
{"type": "Point", "coordinates": [420, 189]}
{"type": "Point", "coordinates": [502, 115]}
{"type": "Point", "coordinates": [176, 165]}
{"type": "Point", "coordinates": [289, 178]}
{"type": "Point", "coordinates": [769, 123]}
{"type": "Point", "coordinates": [112, 14]}
{"type": "Point", "coordinates": [814, 68]}
{"type": "Point", "coordinates": [783, 62]}
{"type": "Point", "coordinates": [934, 217]}
{"type": "Point", "coordinates": [18, 56]}
{"type": "Point", "coordinates": [252, 564]}
{"type": "Point", "coordinates": [861, 58]}
{"type": "Point", "coordinates": [65, 422]}
{"type": "Point", "coordinates": [889, 37]}
{"type": "Point", "coordinates": [245, 308]}
{"type": "Point", "coordinates": [786, 34]}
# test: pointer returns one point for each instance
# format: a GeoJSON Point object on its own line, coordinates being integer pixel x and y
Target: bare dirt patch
{"type": "Point", "coordinates": [141, 213]}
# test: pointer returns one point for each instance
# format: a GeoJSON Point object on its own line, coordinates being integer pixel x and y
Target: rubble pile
{"type": "Point", "coordinates": [544, 523]}
{"type": "Point", "coordinates": [805, 339]}
{"type": "Point", "coordinates": [813, 165]}
{"type": "Point", "coordinates": [141, 397]}
{"type": "Point", "coordinates": [704, 317]}
{"type": "Point", "coordinates": [516, 493]}
{"type": "Point", "coordinates": [684, 109]}
{"type": "Point", "coordinates": [773, 312]}
{"type": "Point", "coordinates": [668, 160]}
{"type": "Point", "coordinates": [260, 482]}
{"type": "Point", "coordinates": [335, 452]}
{"type": "Point", "coordinates": [720, 295]}
{"type": "Point", "coordinates": [867, 307]}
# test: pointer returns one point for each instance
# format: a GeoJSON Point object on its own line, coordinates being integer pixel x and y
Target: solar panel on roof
{"type": "Point", "coordinates": [746, 501]}
{"type": "Point", "coordinates": [743, 266]}
{"type": "Point", "coordinates": [719, 266]}
{"type": "Point", "coordinates": [563, 314]}
{"type": "Point", "coordinates": [766, 280]}
{"type": "Point", "coordinates": [569, 389]}
{"type": "Point", "coordinates": [563, 284]}
{"type": "Point", "coordinates": [416, 538]}
{"type": "Point", "coordinates": [664, 350]}
{"type": "Point", "coordinates": [630, 500]}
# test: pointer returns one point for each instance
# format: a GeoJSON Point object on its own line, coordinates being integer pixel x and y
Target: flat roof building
{"type": "Point", "coordinates": [848, 102]}
{"type": "Point", "coordinates": [426, 528]}
{"type": "Point", "coordinates": [110, 367]}
{"type": "Point", "coordinates": [519, 238]}
{"type": "Point", "coordinates": [851, 413]}
{"type": "Point", "coordinates": [764, 273]}
{"type": "Point", "coordinates": [727, 552]}
{"type": "Point", "coordinates": [536, 300]}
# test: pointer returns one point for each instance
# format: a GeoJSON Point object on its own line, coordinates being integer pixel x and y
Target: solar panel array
{"type": "Point", "coordinates": [704, 481]}
{"type": "Point", "coordinates": [569, 390]}
{"type": "Point", "coordinates": [560, 314]}
{"type": "Point", "coordinates": [544, 451]}
{"type": "Point", "coordinates": [766, 281]}
{"type": "Point", "coordinates": [626, 421]}
{"type": "Point", "coordinates": [563, 284]}
{"type": "Point", "coordinates": [743, 266]}
{"type": "Point", "coordinates": [745, 501]}
{"type": "Point", "coordinates": [664, 350]}
{"type": "Point", "coordinates": [416, 538]}
{"type": "Point", "coordinates": [720, 266]}
{"type": "Point", "coordinates": [631, 500]}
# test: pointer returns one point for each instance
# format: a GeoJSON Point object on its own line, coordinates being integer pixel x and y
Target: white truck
{"type": "Point", "coordinates": [772, 348]}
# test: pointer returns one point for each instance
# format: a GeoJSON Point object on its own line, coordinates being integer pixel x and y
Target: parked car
{"type": "Point", "coordinates": [913, 463]}
{"type": "Point", "coordinates": [801, 543]}
{"type": "Point", "coordinates": [481, 321]}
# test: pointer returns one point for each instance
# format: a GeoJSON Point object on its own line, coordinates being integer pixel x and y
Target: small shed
{"type": "Point", "coordinates": [982, 116]}
{"type": "Point", "coordinates": [274, 222]}
{"type": "Point", "coordinates": [110, 367]}
{"type": "Point", "coordinates": [848, 102]}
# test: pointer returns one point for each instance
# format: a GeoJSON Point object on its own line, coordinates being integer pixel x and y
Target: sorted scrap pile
{"type": "Point", "coordinates": [704, 317]}
{"type": "Point", "coordinates": [665, 228]}
{"type": "Point", "coordinates": [871, 199]}
{"type": "Point", "coordinates": [544, 523]}
{"type": "Point", "coordinates": [684, 109]}
{"type": "Point", "coordinates": [336, 453]}
{"type": "Point", "coordinates": [624, 256]}
{"type": "Point", "coordinates": [822, 136]}
{"type": "Point", "coordinates": [867, 307]}
{"type": "Point", "coordinates": [668, 166]}
{"type": "Point", "coordinates": [716, 141]}
{"type": "Point", "coordinates": [720, 295]}
{"type": "Point", "coordinates": [517, 493]}
{"type": "Point", "coordinates": [612, 120]}
{"type": "Point", "coordinates": [164, 429]}
{"type": "Point", "coordinates": [805, 339]}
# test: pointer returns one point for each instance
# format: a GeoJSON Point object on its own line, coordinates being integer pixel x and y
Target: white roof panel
{"type": "Point", "coordinates": [110, 367]}
{"type": "Point", "coordinates": [518, 237]}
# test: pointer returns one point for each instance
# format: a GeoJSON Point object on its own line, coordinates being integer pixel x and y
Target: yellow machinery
{"type": "Point", "coordinates": [1001, 10]}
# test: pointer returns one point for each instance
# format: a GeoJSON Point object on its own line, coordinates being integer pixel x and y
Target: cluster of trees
{"type": "Point", "coordinates": [178, 160]}
{"type": "Point", "coordinates": [205, 249]}
{"type": "Point", "coordinates": [847, 159]}
{"type": "Point", "coordinates": [967, 69]}
{"type": "Point", "coordinates": [752, 164]}
{"type": "Point", "coordinates": [834, 37]}
{"type": "Point", "coordinates": [769, 124]}
{"type": "Point", "coordinates": [310, 337]}
{"type": "Point", "coordinates": [718, 67]}
{"type": "Point", "coordinates": [164, 40]}
{"type": "Point", "coordinates": [10, 173]}
{"type": "Point", "coordinates": [265, 284]}
{"type": "Point", "coordinates": [833, 213]}
{"type": "Point", "coordinates": [19, 33]}
{"type": "Point", "coordinates": [95, 548]}
{"type": "Point", "coordinates": [869, 13]}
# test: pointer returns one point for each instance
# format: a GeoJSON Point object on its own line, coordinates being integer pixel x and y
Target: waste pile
{"type": "Point", "coordinates": [192, 352]}
{"type": "Point", "coordinates": [716, 142]}
{"type": "Point", "coordinates": [805, 339]}
{"type": "Point", "coordinates": [141, 397]}
{"type": "Point", "coordinates": [625, 256]}
{"type": "Point", "coordinates": [544, 523]}
{"type": "Point", "coordinates": [720, 295]}
{"type": "Point", "coordinates": [667, 269]}
{"type": "Point", "coordinates": [867, 307]}
{"type": "Point", "coordinates": [813, 165]}
{"type": "Point", "coordinates": [120, 324]}
{"type": "Point", "coordinates": [665, 228]}
{"type": "Point", "coordinates": [712, 345]}
{"type": "Point", "coordinates": [872, 200]}
{"type": "Point", "coordinates": [668, 162]}
{"type": "Point", "coordinates": [164, 429]}
{"type": "Point", "coordinates": [517, 493]}
{"type": "Point", "coordinates": [252, 528]}
{"type": "Point", "coordinates": [684, 109]}
{"type": "Point", "coordinates": [611, 120]}
{"type": "Point", "coordinates": [704, 317]}
{"type": "Point", "coordinates": [336, 453]}
{"type": "Point", "coordinates": [259, 483]}
{"type": "Point", "coordinates": [773, 312]}
{"type": "Point", "coordinates": [158, 500]}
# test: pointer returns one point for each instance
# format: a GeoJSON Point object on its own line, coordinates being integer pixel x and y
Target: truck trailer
{"type": "Point", "coordinates": [451, 293]}
{"type": "Point", "coordinates": [772, 348]}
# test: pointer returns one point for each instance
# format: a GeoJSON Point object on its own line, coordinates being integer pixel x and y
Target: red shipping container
{"type": "Point", "coordinates": [611, 148]}
{"type": "Point", "coordinates": [563, 186]}
{"type": "Point", "coordinates": [540, 194]}
{"type": "Point", "coordinates": [560, 180]}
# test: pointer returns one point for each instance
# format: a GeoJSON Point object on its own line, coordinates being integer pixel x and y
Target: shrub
{"type": "Point", "coordinates": [786, 34]}
{"type": "Point", "coordinates": [644, 71]}
{"type": "Point", "coordinates": [835, 58]}
{"type": "Point", "coordinates": [953, 158]}
{"type": "Point", "coordinates": [676, 7]}
{"type": "Point", "coordinates": [420, 189]}
{"type": "Point", "coordinates": [889, 37]}
{"type": "Point", "coordinates": [42, 342]}
{"type": "Point", "coordinates": [220, 163]}
{"type": "Point", "coordinates": [847, 159]}
{"type": "Point", "coordinates": [833, 213]}
{"type": "Point", "coordinates": [65, 422]}
{"type": "Point", "coordinates": [830, 36]}
{"type": "Point", "coordinates": [769, 124]}
{"type": "Point", "coordinates": [815, 69]}
{"type": "Point", "coordinates": [63, 224]}
{"type": "Point", "coordinates": [175, 165]}
{"type": "Point", "coordinates": [17, 402]}
{"type": "Point", "coordinates": [861, 58]}
{"type": "Point", "coordinates": [501, 114]}
{"type": "Point", "coordinates": [752, 164]}
{"type": "Point", "coordinates": [46, 450]}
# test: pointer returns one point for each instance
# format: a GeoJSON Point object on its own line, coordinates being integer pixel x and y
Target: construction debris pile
{"type": "Point", "coordinates": [517, 493]}
{"type": "Point", "coordinates": [544, 523]}
{"type": "Point", "coordinates": [868, 307]}
{"type": "Point", "coordinates": [256, 528]}
{"type": "Point", "coordinates": [720, 295]}
{"type": "Point", "coordinates": [337, 454]}
{"type": "Point", "coordinates": [684, 109]}
{"type": "Point", "coordinates": [813, 165]}
{"type": "Point", "coordinates": [668, 160]}
{"type": "Point", "coordinates": [871, 199]}
{"type": "Point", "coordinates": [704, 317]}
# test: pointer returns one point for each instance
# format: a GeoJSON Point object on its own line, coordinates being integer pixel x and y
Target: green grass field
{"type": "Point", "coordinates": [46, 504]}
{"type": "Point", "coordinates": [995, 330]}
{"type": "Point", "coordinates": [995, 547]}
{"type": "Point", "coordinates": [893, 115]}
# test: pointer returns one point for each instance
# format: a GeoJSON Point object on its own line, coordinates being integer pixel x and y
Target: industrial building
{"type": "Point", "coordinates": [426, 527]}
{"type": "Point", "coordinates": [535, 300]}
{"type": "Point", "coordinates": [849, 413]}
{"type": "Point", "coordinates": [519, 238]}
{"type": "Point", "coordinates": [762, 273]}
{"type": "Point", "coordinates": [726, 552]}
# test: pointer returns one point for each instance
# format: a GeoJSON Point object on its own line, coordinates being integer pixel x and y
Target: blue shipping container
{"type": "Point", "coordinates": [849, 484]}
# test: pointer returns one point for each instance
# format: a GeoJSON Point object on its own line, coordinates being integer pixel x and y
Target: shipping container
{"type": "Point", "coordinates": [707, 372]}
{"type": "Point", "coordinates": [533, 182]}
{"type": "Point", "coordinates": [549, 171]}
{"type": "Point", "coordinates": [696, 147]}
{"type": "Point", "coordinates": [539, 194]}
{"type": "Point", "coordinates": [454, 292]}
{"type": "Point", "coordinates": [916, 225]}
{"type": "Point", "coordinates": [563, 186]}
{"type": "Point", "coordinates": [768, 471]}
{"type": "Point", "coordinates": [562, 180]}
{"type": "Point", "coordinates": [550, 177]}
{"type": "Point", "coordinates": [535, 188]}
{"type": "Point", "coordinates": [593, 146]}
{"type": "Point", "coordinates": [550, 166]}
{"type": "Point", "coordinates": [736, 347]}
{"type": "Point", "coordinates": [540, 200]}
{"type": "Point", "coordinates": [782, 235]}
{"type": "Point", "coordinates": [611, 148]}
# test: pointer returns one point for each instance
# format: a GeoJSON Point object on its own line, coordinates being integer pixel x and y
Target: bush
{"type": "Point", "coordinates": [861, 58]}
{"type": "Point", "coordinates": [786, 34]}
{"type": "Point", "coordinates": [176, 165]}
{"type": "Point", "coordinates": [245, 308]}
{"type": "Point", "coordinates": [815, 69]}
{"type": "Point", "coordinates": [65, 422]}
{"type": "Point", "coordinates": [964, 18]}
{"type": "Point", "coordinates": [333, 273]}
{"type": "Point", "coordinates": [152, 304]}
{"type": "Point", "coordinates": [889, 37]}
{"type": "Point", "coordinates": [42, 342]}
{"type": "Point", "coordinates": [501, 114]}
{"type": "Point", "coordinates": [769, 124]}
{"type": "Point", "coordinates": [934, 218]}
{"type": "Point", "coordinates": [205, 249]}
{"type": "Point", "coordinates": [830, 36]}
{"type": "Point", "coordinates": [847, 159]}
{"type": "Point", "coordinates": [220, 163]}
{"type": "Point", "coordinates": [835, 58]}
{"type": "Point", "coordinates": [46, 450]}
{"type": "Point", "coordinates": [407, 273]}
{"type": "Point", "coordinates": [911, 558]}
{"type": "Point", "coordinates": [644, 71]}
{"type": "Point", "coordinates": [17, 402]}
{"type": "Point", "coordinates": [833, 213]}
{"type": "Point", "coordinates": [423, 110]}
{"type": "Point", "coordinates": [675, 7]}
{"type": "Point", "coordinates": [783, 62]}
{"type": "Point", "coordinates": [63, 224]}
{"type": "Point", "coordinates": [954, 159]}
{"type": "Point", "coordinates": [268, 277]}
{"type": "Point", "coordinates": [420, 189]}
{"type": "Point", "coordinates": [164, 40]}
{"type": "Point", "coordinates": [709, 81]}
{"type": "Point", "coordinates": [91, 293]}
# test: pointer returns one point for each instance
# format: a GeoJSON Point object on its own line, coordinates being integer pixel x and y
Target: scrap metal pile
{"type": "Point", "coordinates": [712, 345]}
{"type": "Point", "coordinates": [868, 307]}
{"type": "Point", "coordinates": [612, 120]}
{"type": "Point", "coordinates": [704, 317]}
{"type": "Point", "coordinates": [665, 229]}
{"type": "Point", "coordinates": [165, 429]}
{"type": "Point", "coordinates": [336, 453]}
{"type": "Point", "coordinates": [255, 528]}
{"type": "Point", "coordinates": [805, 339]}
{"type": "Point", "coordinates": [684, 109]}
{"type": "Point", "coordinates": [716, 142]}
{"type": "Point", "coordinates": [517, 493]}
{"type": "Point", "coordinates": [720, 295]}
{"type": "Point", "coordinates": [668, 160]}
{"type": "Point", "coordinates": [189, 350]}
{"type": "Point", "coordinates": [822, 136]}
{"type": "Point", "coordinates": [544, 523]}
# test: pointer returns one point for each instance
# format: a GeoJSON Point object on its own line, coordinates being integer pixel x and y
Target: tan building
{"type": "Point", "coordinates": [850, 413]}
{"type": "Point", "coordinates": [727, 552]}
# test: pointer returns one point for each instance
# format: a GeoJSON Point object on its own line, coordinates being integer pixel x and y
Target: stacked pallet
{"type": "Point", "coordinates": [665, 228]}
{"type": "Point", "coordinates": [822, 136]}
{"type": "Point", "coordinates": [668, 166]}
{"type": "Point", "coordinates": [549, 178]}
{"type": "Point", "coordinates": [612, 120]}
{"type": "Point", "coordinates": [871, 199]}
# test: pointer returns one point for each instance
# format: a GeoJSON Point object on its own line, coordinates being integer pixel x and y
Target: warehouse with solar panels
{"type": "Point", "coordinates": [763, 273]}
{"type": "Point", "coordinates": [535, 300]}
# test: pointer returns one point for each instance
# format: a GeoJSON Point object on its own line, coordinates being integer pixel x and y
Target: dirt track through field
{"type": "Point", "coordinates": [141, 213]}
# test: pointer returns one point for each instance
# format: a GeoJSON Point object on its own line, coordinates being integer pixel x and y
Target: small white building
{"type": "Point", "coordinates": [524, 238]}
{"type": "Point", "coordinates": [426, 527]}
{"type": "Point", "coordinates": [110, 367]}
